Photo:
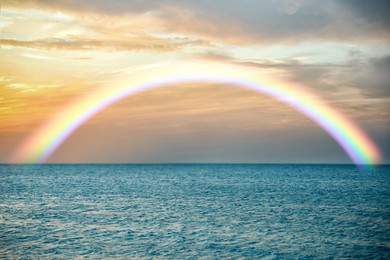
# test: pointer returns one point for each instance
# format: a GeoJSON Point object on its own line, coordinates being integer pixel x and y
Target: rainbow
{"type": "Point", "coordinates": [41, 144]}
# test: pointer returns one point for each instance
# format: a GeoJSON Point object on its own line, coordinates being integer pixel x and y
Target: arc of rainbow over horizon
{"type": "Point", "coordinates": [41, 144]}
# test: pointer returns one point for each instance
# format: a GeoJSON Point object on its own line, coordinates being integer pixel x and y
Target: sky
{"type": "Point", "coordinates": [54, 52]}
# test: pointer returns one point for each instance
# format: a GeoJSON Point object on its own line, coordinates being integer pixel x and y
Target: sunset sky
{"type": "Point", "coordinates": [54, 52]}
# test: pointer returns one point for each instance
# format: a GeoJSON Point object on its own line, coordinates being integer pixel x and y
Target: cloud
{"type": "Point", "coordinates": [81, 58]}
{"type": "Point", "coordinates": [358, 86]}
{"type": "Point", "coordinates": [239, 22]}
{"type": "Point", "coordinates": [323, 77]}
{"type": "Point", "coordinates": [374, 78]}
{"type": "Point", "coordinates": [355, 76]}
{"type": "Point", "coordinates": [78, 43]}
{"type": "Point", "coordinates": [376, 12]}
{"type": "Point", "coordinates": [36, 57]}
{"type": "Point", "coordinates": [93, 6]}
{"type": "Point", "coordinates": [275, 21]}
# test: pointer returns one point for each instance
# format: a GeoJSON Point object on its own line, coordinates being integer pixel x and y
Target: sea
{"type": "Point", "coordinates": [194, 211]}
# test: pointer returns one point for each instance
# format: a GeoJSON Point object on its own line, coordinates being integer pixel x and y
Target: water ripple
{"type": "Point", "coordinates": [194, 211]}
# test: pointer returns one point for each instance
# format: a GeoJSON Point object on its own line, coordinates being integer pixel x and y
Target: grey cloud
{"type": "Point", "coordinates": [322, 77]}
{"type": "Point", "coordinates": [250, 21]}
{"type": "Point", "coordinates": [368, 75]}
{"type": "Point", "coordinates": [270, 21]}
{"type": "Point", "coordinates": [343, 84]}
{"type": "Point", "coordinates": [374, 79]}
{"type": "Point", "coordinates": [376, 11]}
{"type": "Point", "coordinates": [274, 21]}
{"type": "Point", "coordinates": [382, 63]}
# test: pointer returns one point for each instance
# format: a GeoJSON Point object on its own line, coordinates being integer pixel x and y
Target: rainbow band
{"type": "Point", "coordinates": [39, 147]}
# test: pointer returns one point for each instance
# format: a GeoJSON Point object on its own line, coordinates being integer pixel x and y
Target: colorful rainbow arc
{"type": "Point", "coordinates": [40, 145]}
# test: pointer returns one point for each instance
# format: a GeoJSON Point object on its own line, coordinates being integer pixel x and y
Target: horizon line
{"type": "Point", "coordinates": [193, 163]}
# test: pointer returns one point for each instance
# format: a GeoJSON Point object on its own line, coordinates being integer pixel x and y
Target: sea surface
{"type": "Point", "coordinates": [194, 211]}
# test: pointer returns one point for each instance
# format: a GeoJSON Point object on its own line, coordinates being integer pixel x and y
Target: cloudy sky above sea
{"type": "Point", "coordinates": [54, 52]}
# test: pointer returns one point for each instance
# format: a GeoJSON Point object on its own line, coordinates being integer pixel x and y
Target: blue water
{"type": "Point", "coordinates": [194, 211]}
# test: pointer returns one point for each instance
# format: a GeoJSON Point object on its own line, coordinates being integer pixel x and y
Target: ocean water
{"type": "Point", "coordinates": [194, 212]}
